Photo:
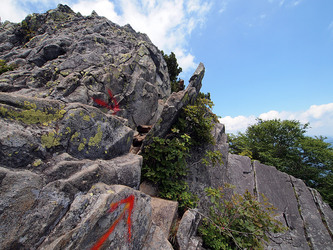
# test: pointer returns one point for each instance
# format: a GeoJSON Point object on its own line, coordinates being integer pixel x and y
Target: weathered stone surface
{"type": "Point", "coordinates": [35, 128]}
{"type": "Point", "coordinates": [240, 173]}
{"type": "Point", "coordinates": [201, 176]}
{"type": "Point", "coordinates": [157, 240]}
{"type": "Point", "coordinates": [187, 228]}
{"type": "Point", "coordinates": [149, 188]}
{"type": "Point", "coordinates": [29, 210]}
{"type": "Point", "coordinates": [314, 228]}
{"type": "Point", "coordinates": [278, 188]}
{"type": "Point", "coordinates": [19, 193]}
{"type": "Point", "coordinates": [325, 210]}
{"type": "Point", "coordinates": [195, 244]}
{"type": "Point", "coordinates": [124, 170]}
{"type": "Point", "coordinates": [164, 214]}
{"type": "Point", "coordinates": [174, 104]}
{"type": "Point", "coordinates": [90, 217]}
{"type": "Point", "coordinates": [63, 55]}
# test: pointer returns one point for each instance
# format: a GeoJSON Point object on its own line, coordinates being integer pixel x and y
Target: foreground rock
{"type": "Point", "coordinates": [90, 218]}
{"type": "Point", "coordinates": [32, 129]}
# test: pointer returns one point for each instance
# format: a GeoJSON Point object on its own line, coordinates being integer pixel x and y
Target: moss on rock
{"type": "Point", "coordinates": [30, 114]}
{"type": "Point", "coordinates": [50, 140]}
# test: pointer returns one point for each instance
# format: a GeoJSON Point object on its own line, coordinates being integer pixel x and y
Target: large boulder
{"type": "Point", "coordinates": [64, 55]}
{"type": "Point", "coordinates": [106, 217]}
{"type": "Point", "coordinates": [32, 205]}
{"type": "Point", "coordinates": [33, 129]}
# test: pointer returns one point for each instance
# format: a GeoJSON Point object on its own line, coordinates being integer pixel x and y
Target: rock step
{"type": "Point", "coordinates": [123, 170]}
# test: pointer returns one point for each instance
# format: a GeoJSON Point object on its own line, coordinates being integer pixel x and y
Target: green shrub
{"type": "Point", "coordinates": [173, 69]}
{"type": "Point", "coordinates": [4, 67]}
{"type": "Point", "coordinates": [164, 160]}
{"type": "Point", "coordinates": [240, 222]}
{"type": "Point", "coordinates": [212, 157]}
{"type": "Point", "coordinates": [197, 121]}
{"type": "Point", "coordinates": [164, 163]}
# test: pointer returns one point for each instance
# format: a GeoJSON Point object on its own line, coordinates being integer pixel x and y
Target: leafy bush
{"type": "Point", "coordinates": [240, 222]}
{"type": "Point", "coordinates": [4, 67]}
{"type": "Point", "coordinates": [197, 121]}
{"type": "Point", "coordinates": [165, 159]}
{"type": "Point", "coordinates": [165, 164]}
{"type": "Point", "coordinates": [212, 157]}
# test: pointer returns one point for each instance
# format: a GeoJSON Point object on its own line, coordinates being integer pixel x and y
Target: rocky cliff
{"type": "Point", "coordinates": [68, 115]}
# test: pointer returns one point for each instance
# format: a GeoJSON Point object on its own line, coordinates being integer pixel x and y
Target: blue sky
{"type": "Point", "coordinates": [263, 58]}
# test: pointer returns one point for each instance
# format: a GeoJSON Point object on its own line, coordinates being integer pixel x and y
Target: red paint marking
{"type": "Point", "coordinates": [114, 106]}
{"type": "Point", "coordinates": [129, 205]}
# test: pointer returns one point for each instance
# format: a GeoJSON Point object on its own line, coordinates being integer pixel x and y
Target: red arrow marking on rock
{"type": "Point", "coordinates": [114, 106]}
{"type": "Point", "coordinates": [129, 204]}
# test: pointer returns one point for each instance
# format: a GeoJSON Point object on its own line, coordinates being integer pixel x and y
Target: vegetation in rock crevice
{"type": "Point", "coordinates": [4, 67]}
{"type": "Point", "coordinates": [241, 222]}
{"type": "Point", "coordinates": [197, 120]}
{"type": "Point", "coordinates": [165, 159]}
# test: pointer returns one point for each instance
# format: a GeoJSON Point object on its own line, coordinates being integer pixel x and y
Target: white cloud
{"type": "Point", "coordinates": [297, 2]}
{"type": "Point", "coordinates": [224, 4]}
{"type": "Point", "coordinates": [289, 3]}
{"type": "Point", "coordinates": [168, 23]}
{"type": "Point", "coordinates": [320, 118]}
{"type": "Point", "coordinates": [102, 7]}
{"type": "Point", "coordinates": [238, 123]}
{"type": "Point", "coordinates": [9, 11]}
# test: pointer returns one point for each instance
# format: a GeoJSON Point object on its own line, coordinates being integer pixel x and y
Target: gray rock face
{"type": "Point", "coordinates": [240, 173]}
{"type": "Point", "coordinates": [299, 208]}
{"type": "Point", "coordinates": [63, 55]}
{"type": "Point", "coordinates": [90, 218]}
{"type": "Point", "coordinates": [34, 128]}
{"type": "Point", "coordinates": [187, 230]}
{"type": "Point", "coordinates": [157, 240]}
{"type": "Point", "coordinates": [278, 188]}
{"type": "Point", "coordinates": [201, 176]}
{"type": "Point", "coordinates": [314, 228]}
{"type": "Point", "coordinates": [164, 214]}
{"type": "Point", "coordinates": [38, 202]}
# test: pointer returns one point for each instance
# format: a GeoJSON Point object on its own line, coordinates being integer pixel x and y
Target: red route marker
{"type": "Point", "coordinates": [115, 107]}
{"type": "Point", "coordinates": [129, 205]}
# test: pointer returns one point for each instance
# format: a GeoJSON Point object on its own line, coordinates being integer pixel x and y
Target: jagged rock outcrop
{"type": "Point", "coordinates": [64, 56]}
{"type": "Point", "coordinates": [188, 227]}
{"type": "Point", "coordinates": [301, 209]}
{"type": "Point", "coordinates": [174, 105]}
{"type": "Point", "coordinates": [67, 179]}
{"type": "Point", "coordinates": [62, 156]}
